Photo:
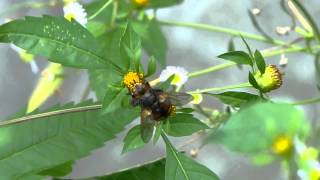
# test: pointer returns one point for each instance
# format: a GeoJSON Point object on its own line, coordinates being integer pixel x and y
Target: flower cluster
{"type": "Point", "coordinates": [309, 166]}
{"type": "Point", "coordinates": [180, 75]}
{"type": "Point", "coordinates": [131, 79]}
{"type": "Point", "coordinates": [74, 10]}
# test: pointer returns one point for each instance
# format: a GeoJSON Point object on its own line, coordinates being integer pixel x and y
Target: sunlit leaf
{"type": "Point", "coordinates": [152, 66]}
{"type": "Point", "coordinates": [57, 39]}
{"type": "Point", "coordinates": [261, 64]}
{"type": "Point", "coordinates": [236, 99]}
{"type": "Point", "coordinates": [183, 124]}
{"type": "Point", "coordinates": [238, 57]}
{"type": "Point", "coordinates": [254, 129]}
{"type": "Point", "coordinates": [149, 171]}
{"type": "Point", "coordinates": [153, 40]}
{"type": "Point", "coordinates": [179, 166]}
{"type": "Point", "coordinates": [113, 98]}
{"type": "Point", "coordinates": [130, 47]}
{"type": "Point", "coordinates": [58, 171]}
{"type": "Point", "coordinates": [33, 146]}
{"type": "Point", "coordinates": [133, 140]}
{"type": "Point", "coordinates": [253, 81]}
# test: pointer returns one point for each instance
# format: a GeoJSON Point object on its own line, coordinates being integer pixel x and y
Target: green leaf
{"type": "Point", "coordinates": [183, 125]}
{"type": "Point", "coordinates": [100, 79]}
{"type": "Point", "coordinates": [46, 142]}
{"type": "Point", "coordinates": [153, 39]}
{"type": "Point", "coordinates": [152, 66]}
{"type": "Point", "coordinates": [248, 48]}
{"type": "Point", "coordinates": [133, 140]}
{"type": "Point", "coordinates": [164, 3]}
{"type": "Point", "coordinates": [113, 98]}
{"type": "Point", "coordinates": [261, 64]}
{"type": "Point", "coordinates": [130, 47]}
{"type": "Point", "coordinates": [158, 131]}
{"type": "Point", "coordinates": [238, 57]}
{"type": "Point", "coordinates": [56, 39]}
{"type": "Point", "coordinates": [149, 171]}
{"type": "Point", "coordinates": [179, 166]}
{"type": "Point", "coordinates": [254, 129]}
{"type": "Point", "coordinates": [58, 171]}
{"type": "Point", "coordinates": [96, 28]}
{"type": "Point", "coordinates": [253, 81]}
{"type": "Point", "coordinates": [236, 99]}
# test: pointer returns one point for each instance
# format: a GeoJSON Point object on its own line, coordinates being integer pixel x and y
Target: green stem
{"type": "Point", "coordinates": [224, 30]}
{"type": "Point", "coordinates": [264, 53]}
{"type": "Point", "coordinates": [243, 85]}
{"type": "Point", "coordinates": [211, 69]}
{"type": "Point", "coordinates": [51, 113]}
{"type": "Point", "coordinates": [309, 18]}
{"type": "Point", "coordinates": [100, 10]}
{"type": "Point", "coordinates": [114, 13]}
{"type": "Point", "coordinates": [306, 101]}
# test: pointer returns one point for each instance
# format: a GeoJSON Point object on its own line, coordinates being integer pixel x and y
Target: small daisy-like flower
{"type": "Point", "coordinates": [131, 79]}
{"type": "Point", "coordinates": [180, 75]}
{"type": "Point", "coordinates": [27, 58]}
{"type": "Point", "coordinates": [74, 10]}
{"type": "Point", "coordinates": [282, 145]}
{"type": "Point", "coordinates": [270, 80]}
{"type": "Point", "coordinates": [309, 166]}
{"type": "Point", "coordinates": [141, 3]}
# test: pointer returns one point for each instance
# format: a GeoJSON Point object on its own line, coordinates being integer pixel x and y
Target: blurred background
{"type": "Point", "coordinates": [192, 49]}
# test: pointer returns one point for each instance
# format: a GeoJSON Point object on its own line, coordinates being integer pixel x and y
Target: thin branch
{"type": "Point", "coordinates": [49, 114]}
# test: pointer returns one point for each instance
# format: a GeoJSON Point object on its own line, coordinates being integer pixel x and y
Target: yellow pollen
{"type": "Point", "coordinates": [282, 145]}
{"type": "Point", "coordinates": [69, 16]}
{"type": "Point", "coordinates": [141, 2]}
{"type": "Point", "coordinates": [131, 79]}
{"type": "Point", "coordinates": [172, 110]}
{"type": "Point", "coordinates": [176, 79]}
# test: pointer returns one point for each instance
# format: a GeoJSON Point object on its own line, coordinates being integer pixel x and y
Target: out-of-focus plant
{"type": "Point", "coordinates": [107, 38]}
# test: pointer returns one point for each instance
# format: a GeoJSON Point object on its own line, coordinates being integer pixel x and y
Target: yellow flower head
{"type": "Point", "coordinates": [282, 145]}
{"type": "Point", "coordinates": [131, 79]}
{"type": "Point", "coordinates": [141, 3]}
{"type": "Point", "coordinates": [270, 80]}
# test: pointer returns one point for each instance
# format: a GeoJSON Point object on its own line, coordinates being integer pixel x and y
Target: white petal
{"type": "Point", "coordinates": [78, 12]}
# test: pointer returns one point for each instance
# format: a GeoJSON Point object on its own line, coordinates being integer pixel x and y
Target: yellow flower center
{"type": "Point", "coordinates": [282, 145]}
{"type": "Point", "coordinates": [176, 79]}
{"type": "Point", "coordinates": [131, 79]}
{"type": "Point", "coordinates": [141, 2]}
{"type": "Point", "coordinates": [69, 16]}
{"type": "Point", "coordinates": [270, 80]}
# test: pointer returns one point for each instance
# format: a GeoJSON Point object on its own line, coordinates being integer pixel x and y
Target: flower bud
{"type": "Point", "coordinates": [270, 80]}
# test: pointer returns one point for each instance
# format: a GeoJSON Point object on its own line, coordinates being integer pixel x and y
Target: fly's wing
{"type": "Point", "coordinates": [179, 99]}
{"type": "Point", "coordinates": [147, 125]}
